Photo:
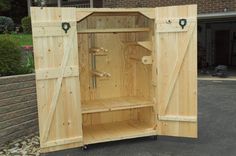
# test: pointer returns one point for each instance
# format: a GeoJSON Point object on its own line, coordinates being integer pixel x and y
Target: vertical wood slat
{"type": "Point", "coordinates": [177, 69]}
{"type": "Point", "coordinates": [58, 86]}
{"type": "Point", "coordinates": [59, 100]}
{"type": "Point", "coordinates": [176, 77]}
{"type": "Point", "coordinates": [56, 56]}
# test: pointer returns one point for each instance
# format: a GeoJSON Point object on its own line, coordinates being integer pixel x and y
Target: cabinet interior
{"type": "Point", "coordinates": [115, 61]}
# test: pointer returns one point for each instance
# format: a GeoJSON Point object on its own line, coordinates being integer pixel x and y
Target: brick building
{"type": "Point", "coordinates": [204, 6]}
{"type": "Point", "coordinates": [216, 27]}
{"type": "Point", "coordinates": [216, 24]}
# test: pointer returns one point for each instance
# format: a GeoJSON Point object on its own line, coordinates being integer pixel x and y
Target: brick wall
{"type": "Point", "coordinates": [18, 107]}
{"type": "Point", "coordinates": [204, 6]}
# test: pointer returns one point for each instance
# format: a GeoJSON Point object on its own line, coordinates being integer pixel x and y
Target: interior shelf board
{"type": "Point", "coordinates": [114, 30]}
{"type": "Point", "coordinates": [113, 104]}
{"type": "Point", "coordinates": [145, 44]}
{"type": "Point", "coordinates": [117, 131]}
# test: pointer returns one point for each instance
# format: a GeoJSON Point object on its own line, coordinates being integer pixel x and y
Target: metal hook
{"type": "Point", "coordinates": [65, 26]}
{"type": "Point", "coordinates": [183, 22]}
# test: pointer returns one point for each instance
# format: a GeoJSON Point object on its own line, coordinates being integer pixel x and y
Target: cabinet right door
{"type": "Point", "coordinates": [176, 70]}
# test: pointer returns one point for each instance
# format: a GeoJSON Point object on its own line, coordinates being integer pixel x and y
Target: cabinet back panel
{"type": "Point", "coordinates": [129, 76]}
{"type": "Point", "coordinates": [142, 115]}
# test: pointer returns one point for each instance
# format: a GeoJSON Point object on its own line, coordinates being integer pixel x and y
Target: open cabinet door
{"type": "Point", "coordinates": [57, 77]}
{"type": "Point", "coordinates": [176, 64]}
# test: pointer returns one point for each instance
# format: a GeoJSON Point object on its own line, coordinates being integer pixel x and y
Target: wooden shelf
{"type": "Point", "coordinates": [144, 44]}
{"type": "Point", "coordinates": [117, 131]}
{"type": "Point", "coordinates": [114, 30]}
{"type": "Point", "coordinates": [113, 104]}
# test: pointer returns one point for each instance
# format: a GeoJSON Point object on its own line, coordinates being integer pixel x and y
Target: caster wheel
{"type": "Point", "coordinates": [155, 137]}
{"type": "Point", "coordinates": [84, 147]}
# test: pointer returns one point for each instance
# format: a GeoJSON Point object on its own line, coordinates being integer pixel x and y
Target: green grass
{"type": "Point", "coordinates": [22, 39]}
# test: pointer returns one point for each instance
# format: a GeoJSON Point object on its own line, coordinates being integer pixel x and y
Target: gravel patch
{"type": "Point", "coordinates": [26, 146]}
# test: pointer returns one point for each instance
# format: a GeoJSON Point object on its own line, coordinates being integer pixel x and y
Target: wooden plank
{"type": "Point", "coordinates": [51, 24]}
{"type": "Point", "coordinates": [113, 104]}
{"type": "Point", "coordinates": [171, 19]}
{"type": "Point", "coordinates": [49, 31]}
{"type": "Point", "coordinates": [58, 86]}
{"type": "Point", "coordinates": [168, 28]}
{"type": "Point", "coordinates": [117, 131]}
{"type": "Point", "coordinates": [52, 28]}
{"type": "Point", "coordinates": [217, 78]}
{"type": "Point", "coordinates": [178, 118]}
{"type": "Point", "coordinates": [149, 12]}
{"type": "Point", "coordinates": [143, 114]}
{"type": "Point", "coordinates": [58, 98]}
{"type": "Point", "coordinates": [176, 71]}
{"type": "Point", "coordinates": [177, 68]}
{"type": "Point", "coordinates": [114, 30]}
{"type": "Point", "coordinates": [146, 44]}
{"type": "Point", "coordinates": [62, 142]}
{"type": "Point", "coordinates": [60, 147]}
{"type": "Point", "coordinates": [53, 73]}
{"type": "Point", "coordinates": [81, 15]}
{"type": "Point", "coordinates": [169, 25]}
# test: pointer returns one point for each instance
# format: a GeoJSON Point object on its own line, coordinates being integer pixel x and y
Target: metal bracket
{"type": "Point", "coordinates": [65, 26]}
{"type": "Point", "coordinates": [183, 22]}
{"type": "Point", "coordinates": [147, 59]}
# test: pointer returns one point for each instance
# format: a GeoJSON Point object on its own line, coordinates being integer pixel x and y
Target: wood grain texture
{"type": "Point", "coordinates": [112, 104]}
{"type": "Point", "coordinates": [114, 30]}
{"type": "Point", "coordinates": [125, 95]}
{"type": "Point", "coordinates": [128, 69]}
{"type": "Point", "coordinates": [117, 131]}
{"type": "Point", "coordinates": [58, 97]}
{"type": "Point", "coordinates": [177, 71]}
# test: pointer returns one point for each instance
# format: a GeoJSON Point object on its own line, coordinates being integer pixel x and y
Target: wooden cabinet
{"type": "Point", "coordinates": [111, 74]}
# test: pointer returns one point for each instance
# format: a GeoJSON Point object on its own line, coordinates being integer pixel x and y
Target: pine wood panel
{"type": "Point", "coordinates": [139, 98]}
{"type": "Point", "coordinates": [177, 71]}
{"type": "Point", "coordinates": [117, 131]}
{"type": "Point", "coordinates": [57, 81]}
{"type": "Point", "coordinates": [114, 30]}
{"type": "Point", "coordinates": [112, 104]}
{"type": "Point", "coordinates": [126, 72]}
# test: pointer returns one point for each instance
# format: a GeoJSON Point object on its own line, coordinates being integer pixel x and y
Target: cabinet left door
{"type": "Point", "coordinates": [57, 77]}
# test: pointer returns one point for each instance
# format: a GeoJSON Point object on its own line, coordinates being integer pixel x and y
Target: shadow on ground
{"type": "Point", "coordinates": [217, 130]}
